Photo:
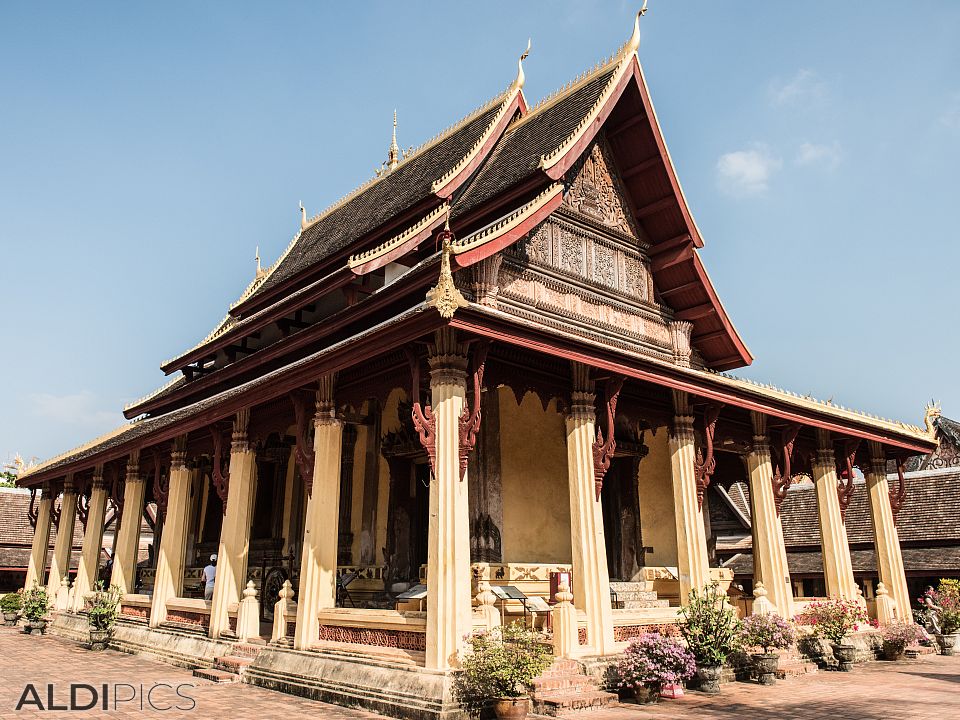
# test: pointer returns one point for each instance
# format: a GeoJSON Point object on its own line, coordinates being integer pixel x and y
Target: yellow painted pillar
{"type": "Point", "coordinates": [126, 544]}
{"type": "Point", "coordinates": [92, 541]}
{"type": "Point", "coordinates": [769, 549]}
{"type": "Point", "coordinates": [692, 557]}
{"type": "Point", "coordinates": [318, 559]}
{"type": "Point", "coordinates": [60, 566]}
{"type": "Point", "coordinates": [885, 537]}
{"type": "Point", "coordinates": [591, 582]}
{"type": "Point", "coordinates": [168, 582]}
{"type": "Point", "coordinates": [449, 600]}
{"type": "Point", "coordinates": [837, 566]}
{"type": "Point", "coordinates": [234, 546]}
{"type": "Point", "coordinates": [37, 565]}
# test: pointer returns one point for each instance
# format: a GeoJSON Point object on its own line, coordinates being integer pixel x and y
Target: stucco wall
{"type": "Point", "coordinates": [657, 524]}
{"type": "Point", "coordinates": [536, 500]}
{"type": "Point", "coordinates": [389, 422]}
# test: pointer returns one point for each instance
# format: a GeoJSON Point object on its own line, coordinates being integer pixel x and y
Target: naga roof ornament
{"type": "Point", "coordinates": [445, 296]}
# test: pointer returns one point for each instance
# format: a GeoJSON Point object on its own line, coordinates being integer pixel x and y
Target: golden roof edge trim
{"type": "Point", "coordinates": [397, 240]}
{"type": "Point", "coordinates": [481, 236]}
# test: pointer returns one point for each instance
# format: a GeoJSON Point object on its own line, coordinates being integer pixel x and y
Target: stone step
{"type": "Point", "coordinates": [619, 586]}
{"type": "Point", "coordinates": [564, 703]}
{"type": "Point", "coordinates": [637, 604]}
{"type": "Point", "coordinates": [221, 677]}
{"type": "Point", "coordinates": [563, 682]}
{"type": "Point", "coordinates": [250, 650]}
{"type": "Point", "coordinates": [563, 666]}
{"type": "Point", "coordinates": [231, 663]}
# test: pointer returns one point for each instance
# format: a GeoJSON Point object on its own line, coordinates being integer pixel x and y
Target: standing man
{"type": "Point", "coordinates": [209, 575]}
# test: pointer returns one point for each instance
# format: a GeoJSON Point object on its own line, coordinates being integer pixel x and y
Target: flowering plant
{"type": "Point", "coordinates": [502, 663]}
{"type": "Point", "coordinates": [833, 619]}
{"type": "Point", "coordinates": [711, 628]}
{"type": "Point", "coordinates": [898, 635]}
{"type": "Point", "coordinates": [653, 660]}
{"type": "Point", "coordinates": [767, 630]}
{"type": "Point", "coordinates": [944, 604]}
{"type": "Point", "coordinates": [35, 603]}
{"type": "Point", "coordinates": [104, 608]}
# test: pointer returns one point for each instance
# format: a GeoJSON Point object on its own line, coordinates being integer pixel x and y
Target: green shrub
{"type": "Point", "coordinates": [710, 627]}
{"type": "Point", "coordinates": [12, 602]}
{"type": "Point", "coordinates": [502, 663]}
{"type": "Point", "coordinates": [104, 608]}
{"type": "Point", "coordinates": [36, 604]}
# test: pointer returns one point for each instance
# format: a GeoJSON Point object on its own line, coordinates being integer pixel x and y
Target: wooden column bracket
{"type": "Point", "coordinates": [783, 480]}
{"type": "Point", "coordinates": [303, 408]}
{"type": "Point", "coordinates": [33, 511]}
{"type": "Point", "coordinates": [220, 477]}
{"type": "Point", "coordinates": [55, 512]}
{"type": "Point", "coordinates": [83, 508]}
{"type": "Point", "coordinates": [423, 419]}
{"type": "Point", "coordinates": [898, 496]}
{"type": "Point", "coordinates": [705, 465]}
{"type": "Point", "coordinates": [470, 419]}
{"type": "Point", "coordinates": [161, 486]}
{"type": "Point", "coordinates": [603, 449]}
{"type": "Point", "coordinates": [845, 476]}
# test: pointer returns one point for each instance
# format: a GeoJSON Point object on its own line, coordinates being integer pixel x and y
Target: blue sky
{"type": "Point", "coordinates": [146, 149]}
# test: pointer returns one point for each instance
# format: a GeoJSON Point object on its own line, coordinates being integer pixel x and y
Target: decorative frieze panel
{"type": "Point", "coordinates": [400, 639]}
{"type": "Point", "coordinates": [540, 291]}
{"type": "Point", "coordinates": [586, 257]}
{"type": "Point", "coordinates": [625, 633]}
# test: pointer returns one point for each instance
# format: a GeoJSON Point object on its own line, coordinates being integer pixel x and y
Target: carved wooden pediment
{"type": "Point", "coordinates": [597, 191]}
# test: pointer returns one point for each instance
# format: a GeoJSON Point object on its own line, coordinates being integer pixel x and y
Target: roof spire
{"type": "Point", "coordinates": [633, 44]}
{"type": "Point", "coordinates": [260, 271]}
{"type": "Point", "coordinates": [303, 216]}
{"type": "Point", "coordinates": [521, 78]}
{"type": "Point", "coordinates": [393, 154]}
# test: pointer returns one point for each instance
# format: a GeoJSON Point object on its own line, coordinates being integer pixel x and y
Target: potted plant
{"type": "Point", "coordinates": [712, 632]}
{"type": "Point", "coordinates": [36, 604]}
{"type": "Point", "coordinates": [650, 662]}
{"type": "Point", "coordinates": [102, 611]}
{"type": "Point", "coordinates": [500, 667]}
{"type": "Point", "coordinates": [941, 608]}
{"type": "Point", "coordinates": [11, 603]}
{"type": "Point", "coordinates": [767, 631]}
{"type": "Point", "coordinates": [834, 620]}
{"type": "Point", "coordinates": [896, 637]}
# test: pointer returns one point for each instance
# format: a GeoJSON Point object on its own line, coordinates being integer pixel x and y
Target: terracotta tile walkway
{"type": "Point", "coordinates": [924, 688]}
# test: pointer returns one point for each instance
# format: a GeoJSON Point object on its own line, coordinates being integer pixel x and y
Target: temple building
{"type": "Point", "coordinates": [488, 385]}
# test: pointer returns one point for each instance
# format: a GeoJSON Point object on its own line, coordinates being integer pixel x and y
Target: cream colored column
{"type": "Point", "coordinates": [170, 560]}
{"type": "Point", "coordinates": [769, 549]}
{"type": "Point", "coordinates": [37, 565]}
{"type": "Point", "coordinates": [837, 567]}
{"type": "Point", "coordinates": [234, 546]}
{"type": "Point", "coordinates": [591, 583]}
{"type": "Point", "coordinates": [692, 557]}
{"type": "Point", "coordinates": [318, 559]}
{"type": "Point", "coordinates": [126, 543]}
{"type": "Point", "coordinates": [92, 541]}
{"type": "Point", "coordinates": [60, 566]}
{"type": "Point", "coordinates": [449, 600]}
{"type": "Point", "coordinates": [885, 537]}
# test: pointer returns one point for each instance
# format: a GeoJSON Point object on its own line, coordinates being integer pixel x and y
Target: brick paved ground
{"type": "Point", "coordinates": [925, 688]}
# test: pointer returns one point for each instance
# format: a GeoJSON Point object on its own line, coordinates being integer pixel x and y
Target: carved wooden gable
{"type": "Point", "coordinates": [597, 191]}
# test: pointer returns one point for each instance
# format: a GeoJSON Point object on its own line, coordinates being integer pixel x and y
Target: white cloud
{"type": "Point", "coordinates": [74, 409]}
{"type": "Point", "coordinates": [813, 154]}
{"type": "Point", "coordinates": [746, 172]}
{"type": "Point", "coordinates": [805, 87]}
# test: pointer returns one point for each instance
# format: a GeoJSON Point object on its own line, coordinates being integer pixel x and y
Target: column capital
{"type": "Point", "coordinates": [240, 441]}
{"type": "Point", "coordinates": [583, 406]}
{"type": "Point", "coordinates": [69, 486]}
{"type": "Point", "coordinates": [178, 456]}
{"type": "Point", "coordinates": [133, 467]}
{"type": "Point", "coordinates": [447, 358]}
{"type": "Point", "coordinates": [326, 406]}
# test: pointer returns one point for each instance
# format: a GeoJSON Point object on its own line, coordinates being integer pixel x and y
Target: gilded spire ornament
{"type": "Point", "coordinates": [260, 272]}
{"type": "Point", "coordinates": [393, 154]}
{"type": "Point", "coordinates": [521, 78]}
{"type": "Point", "coordinates": [445, 296]}
{"type": "Point", "coordinates": [303, 217]}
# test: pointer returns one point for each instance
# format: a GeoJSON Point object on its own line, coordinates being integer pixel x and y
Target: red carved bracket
{"type": "Point", "coordinates": [423, 418]}
{"type": "Point", "coordinates": [220, 477]}
{"type": "Point", "coordinates": [83, 508]}
{"type": "Point", "coordinates": [470, 420]}
{"type": "Point", "coordinates": [845, 476]}
{"type": "Point", "coordinates": [782, 481]}
{"type": "Point", "coordinates": [33, 511]}
{"type": "Point", "coordinates": [705, 465]}
{"type": "Point", "coordinates": [603, 450]}
{"type": "Point", "coordinates": [898, 496]}
{"type": "Point", "coordinates": [304, 455]}
{"type": "Point", "coordinates": [161, 486]}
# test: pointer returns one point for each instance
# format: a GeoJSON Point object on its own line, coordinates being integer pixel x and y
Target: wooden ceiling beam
{"type": "Point", "coordinates": [626, 125]}
{"type": "Point", "coordinates": [714, 335]}
{"type": "Point", "coordinates": [657, 206]}
{"type": "Point", "coordinates": [641, 167]}
{"type": "Point", "coordinates": [692, 285]}
{"type": "Point", "coordinates": [696, 312]}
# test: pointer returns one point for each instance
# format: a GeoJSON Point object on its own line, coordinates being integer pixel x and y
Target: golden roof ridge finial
{"type": "Point", "coordinates": [521, 77]}
{"type": "Point", "coordinates": [303, 216]}
{"type": "Point", "coordinates": [393, 154]}
{"type": "Point", "coordinates": [260, 271]}
{"type": "Point", "coordinates": [633, 44]}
